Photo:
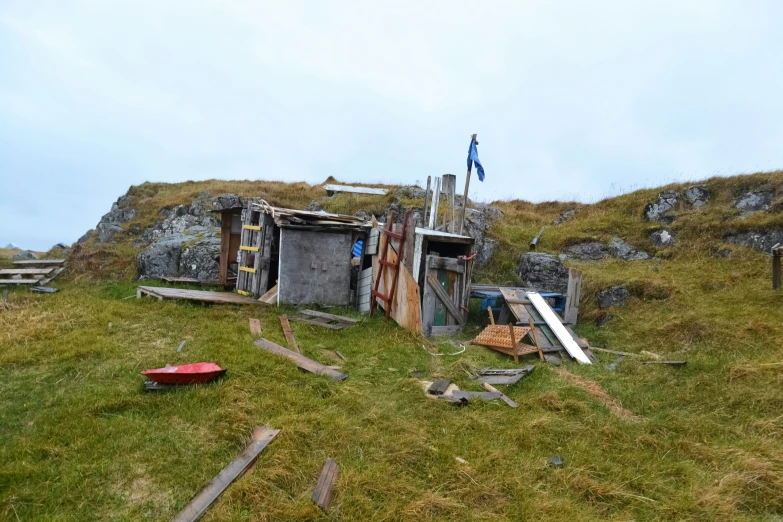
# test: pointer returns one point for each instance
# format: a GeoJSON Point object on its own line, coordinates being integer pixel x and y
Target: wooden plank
{"type": "Point", "coordinates": [776, 276]}
{"type": "Point", "coordinates": [39, 262]}
{"type": "Point", "coordinates": [434, 204]}
{"type": "Point", "coordinates": [330, 317]}
{"type": "Point", "coordinates": [255, 327]}
{"type": "Point", "coordinates": [444, 298]}
{"type": "Point", "coordinates": [468, 395]}
{"type": "Point", "coordinates": [53, 275]}
{"type": "Point", "coordinates": [355, 189]}
{"type": "Point", "coordinates": [318, 322]}
{"type": "Point", "coordinates": [196, 295]}
{"type": "Point", "coordinates": [503, 396]}
{"type": "Point", "coordinates": [26, 271]}
{"type": "Point", "coordinates": [512, 300]}
{"type": "Point", "coordinates": [323, 494]}
{"type": "Point", "coordinates": [262, 436]}
{"type": "Point", "coordinates": [447, 263]}
{"type": "Point", "coordinates": [557, 327]}
{"type": "Point", "coordinates": [19, 281]}
{"type": "Point", "coordinates": [225, 243]}
{"type": "Point", "coordinates": [573, 295]}
{"type": "Point", "coordinates": [671, 363]}
{"type": "Point", "coordinates": [300, 360]}
{"type": "Point", "coordinates": [289, 334]}
{"type": "Point", "coordinates": [406, 309]}
{"type": "Point", "coordinates": [270, 297]}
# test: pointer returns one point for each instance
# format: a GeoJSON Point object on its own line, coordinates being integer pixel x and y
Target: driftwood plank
{"type": "Point", "coordinates": [255, 327]}
{"type": "Point", "coordinates": [262, 436]}
{"type": "Point", "coordinates": [300, 360]}
{"type": "Point", "coordinates": [439, 387]}
{"type": "Point", "coordinates": [289, 334]}
{"type": "Point", "coordinates": [194, 295]}
{"type": "Point", "coordinates": [323, 494]}
{"type": "Point", "coordinates": [39, 262]}
{"type": "Point", "coordinates": [26, 271]}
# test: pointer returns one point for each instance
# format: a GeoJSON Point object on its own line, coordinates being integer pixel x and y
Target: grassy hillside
{"type": "Point", "coordinates": [79, 439]}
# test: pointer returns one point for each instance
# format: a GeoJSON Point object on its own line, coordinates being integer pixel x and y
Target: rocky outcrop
{"type": "Point", "coordinates": [60, 246]}
{"type": "Point", "coordinates": [666, 202]}
{"type": "Point", "coordinates": [697, 196]}
{"type": "Point", "coordinates": [25, 256]}
{"type": "Point", "coordinates": [616, 295]}
{"type": "Point", "coordinates": [478, 221]}
{"type": "Point", "coordinates": [121, 212]}
{"type": "Point", "coordinates": [669, 200]}
{"type": "Point", "coordinates": [181, 255]}
{"type": "Point", "coordinates": [758, 239]}
{"type": "Point", "coordinates": [752, 202]}
{"type": "Point", "coordinates": [543, 272]}
{"type": "Point", "coordinates": [314, 206]}
{"type": "Point", "coordinates": [663, 238]}
{"type": "Point", "coordinates": [596, 250]}
{"type": "Point", "coordinates": [412, 191]}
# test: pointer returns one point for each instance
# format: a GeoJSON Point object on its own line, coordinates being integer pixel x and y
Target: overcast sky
{"type": "Point", "coordinates": [570, 99]}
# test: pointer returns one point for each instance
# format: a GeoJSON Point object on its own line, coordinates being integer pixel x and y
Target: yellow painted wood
{"type": "Point", "coordinates": [242, 292]}
{"type": "Point", "coordinates": [251, 227]}
{"type": "Point", "coordinates": [249, 249]}
{"type": "Point", "coordinates": [247, 269]}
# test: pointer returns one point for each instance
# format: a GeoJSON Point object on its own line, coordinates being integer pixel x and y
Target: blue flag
{"type": "Point", "coordinates": [473, 158]}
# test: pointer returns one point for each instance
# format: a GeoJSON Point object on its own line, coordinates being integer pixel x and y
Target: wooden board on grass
{"type": "Point", "coordinates": [323, 494]}
{"type": "Point", "coordinates": [300, 360]}
{"type": "Point", "coordinates": [194, 295]}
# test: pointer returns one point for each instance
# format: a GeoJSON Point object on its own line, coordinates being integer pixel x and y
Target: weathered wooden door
{"type": "Point", "coordinates": [444, 285]}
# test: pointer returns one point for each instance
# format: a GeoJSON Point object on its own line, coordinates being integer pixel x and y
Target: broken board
{"type": "Point", "coordinates": [300, 360]}
{"type": "Point", "coordinates": [323, 494]}
{"type": "Point", "coordinates": [262, 436]}
{"type": "Point", "coordinates": [194, 295]}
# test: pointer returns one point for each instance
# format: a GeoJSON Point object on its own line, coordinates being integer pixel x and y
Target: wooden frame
{"type": "Point", "coordinates": [438, 298]}
{"type": "Point", "coordinates": [777, 253]}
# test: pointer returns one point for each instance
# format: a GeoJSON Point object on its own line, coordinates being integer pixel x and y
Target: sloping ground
{"type": "Point", "coordinates": [80, 440]}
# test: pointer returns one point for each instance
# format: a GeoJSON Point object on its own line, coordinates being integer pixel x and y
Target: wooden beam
{"type": "Point", "coordinates": [465, 196]}
{"type": "Point", "coordinates": [39, 262]}
{"type": "Point", "coordinates": [553, 321]}
{"type": "Point", "coordinates": [26, 271]}
{"type": "Point", "coordinates": [262, 436]}
{"type": "Point", "coordinates": [323, 494]}
{"type": "Point", "coordinates": [573, 295]}
{"type": "Point", "coordinates": [225, 246]}
{"type": "Point", "coordinates": [300, 360]}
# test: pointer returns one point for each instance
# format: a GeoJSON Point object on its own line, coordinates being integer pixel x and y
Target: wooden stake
{"type": "Point", "coordinates": [491, 317]}
{"type": "Point", "coordinates": [513, 341]}
{"type": "Point", "coordinates": [465, 197]}
{"type": "Point", "coordinates": [424, 220]}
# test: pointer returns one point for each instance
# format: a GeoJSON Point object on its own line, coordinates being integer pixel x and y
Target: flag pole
{"type": "Point", "coordinates": [465, 197]}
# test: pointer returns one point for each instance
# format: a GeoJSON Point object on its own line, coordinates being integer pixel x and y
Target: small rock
{"type": "Point", "coordinates": [721, 252]}
{"type": "Point", "coordinates": [418, 374]}
{"type": "Point", "coordinates": [697, 196]}
{"type": "Point", "coordinates": [754, 201]}
{"type": "Point", "coordinates": [24, 256]}
{"type": "Point", "coordinates": [61, 246]}
{"type": "Point", "coordinates": [620, 248]}
{"type": "Point", "coordinates": [411, 191]}
{"type": "Point", "coordinates": [543, 272]}
{"type": "Point", "coordinates": [663, 237]}
{"type": "Point", "coordinates": [666, 201]}
{"type": "Point", "coordinates": [588, 251]}
{"type": "Point", "coordinates": [554, 360]}
{"type": "Point", "coordinates": [556, 462]}
{"type": "Point", "coordinates": [617, 295]}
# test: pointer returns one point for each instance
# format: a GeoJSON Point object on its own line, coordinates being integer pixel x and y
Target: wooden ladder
{"type": "Point", "coordinates": [248, 250]}
{"type": "Point", "coordinates": [384, 263]}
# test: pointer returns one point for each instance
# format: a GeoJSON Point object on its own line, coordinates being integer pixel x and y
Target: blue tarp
{"type": "Point", "coordinates": [357, 248]}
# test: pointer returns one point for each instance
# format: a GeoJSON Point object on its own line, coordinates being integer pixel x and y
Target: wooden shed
{"type": "Point", "coordinates": [433, 284]}
{"type": "Point", "coordinates": [230, 236]}
{"type": "Point", "coordinates": [308, 256]}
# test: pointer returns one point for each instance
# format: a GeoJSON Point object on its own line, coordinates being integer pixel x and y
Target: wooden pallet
{"type": "Point", "coordinates": [194, 295]}
{"type": "Point", "coordinates": [499, 338]}
{"type": "Point", "coordinates": [333, 322]}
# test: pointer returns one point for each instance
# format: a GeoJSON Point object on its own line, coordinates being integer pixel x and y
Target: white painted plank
{"type": "Point", "coordinates": [356, 190]}
{"type": "Point", "coordinates": [551, 319]}
{"type": "Point", "coordinates": [365, 285]}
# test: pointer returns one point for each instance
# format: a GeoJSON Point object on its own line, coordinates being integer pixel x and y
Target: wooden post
{"type": "Point", "coordinates": [450, 188]}
{"type": "Point", "coordinates": [424, 221]}
{"type": "Point", "coordinates": [533, 336]}
{"type": "Point", "coordinates": [225, 241]}
{"type": "Point", "coordinates": [776, 254]}
{"type": "Point", "coordinates": [435, 201]}
{"type": "Point", "coordinates": [465, 197]}
{"type": "Point", "coordinates": [491, 317]}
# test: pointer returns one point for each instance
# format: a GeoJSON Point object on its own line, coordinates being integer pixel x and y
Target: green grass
{"type": "Point", "coordinates": [80, 440]}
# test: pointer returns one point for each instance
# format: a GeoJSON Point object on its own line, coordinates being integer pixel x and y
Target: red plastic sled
{"type": "Point", "coordinates": [197, 373]}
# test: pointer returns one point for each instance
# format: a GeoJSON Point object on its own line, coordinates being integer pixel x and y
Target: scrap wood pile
{"type": "Point", "coordinates": [292, 218]}
{"type": "Point", "coordinates": [38, 272]}
{"type": "Point", "coordinates": [546, 332]}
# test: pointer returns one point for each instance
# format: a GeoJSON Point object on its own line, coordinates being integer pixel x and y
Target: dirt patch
{"type": "Point", "coordinates": [596, 391]}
